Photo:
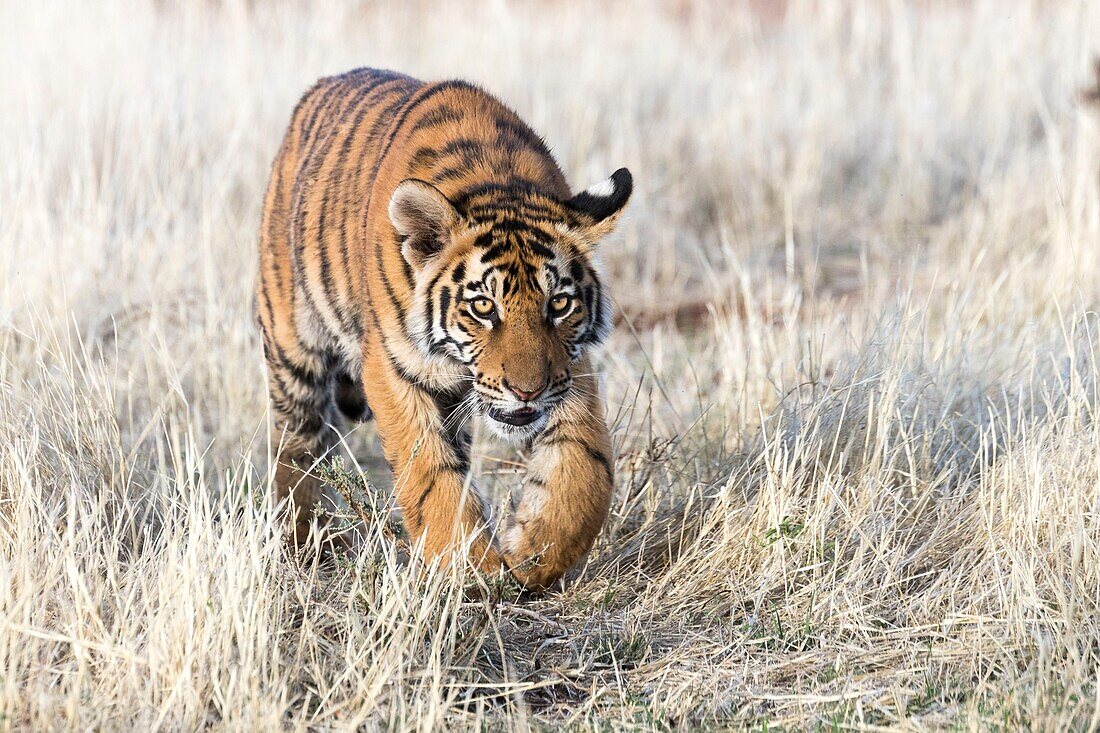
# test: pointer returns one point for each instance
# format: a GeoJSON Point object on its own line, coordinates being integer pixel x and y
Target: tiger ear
{"type": "Point", "coordinates": [423, 216]}
{"type": "Point", "coordinates": [598, 207]}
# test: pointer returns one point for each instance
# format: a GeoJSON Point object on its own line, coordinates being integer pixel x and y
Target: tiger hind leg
{"type": "Point", "coordinates": [300, 385]}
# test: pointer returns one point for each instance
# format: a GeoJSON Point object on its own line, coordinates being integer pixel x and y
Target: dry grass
{"type": "Point", "coordinates": [855, 386]}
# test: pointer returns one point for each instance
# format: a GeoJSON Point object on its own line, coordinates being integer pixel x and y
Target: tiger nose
{"type": "Point", "coordinates": [523, 394]}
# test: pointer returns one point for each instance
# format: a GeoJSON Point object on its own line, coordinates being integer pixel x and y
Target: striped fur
{"type": "Point", "coordinates": [421, 253]}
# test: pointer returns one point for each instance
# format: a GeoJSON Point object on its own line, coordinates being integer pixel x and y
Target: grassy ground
{"type": "Point", "coordinates": [854, 385]}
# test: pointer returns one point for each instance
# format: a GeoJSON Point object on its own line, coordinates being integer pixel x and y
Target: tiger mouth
{"type": "Point", "coordinates": [516, 418]}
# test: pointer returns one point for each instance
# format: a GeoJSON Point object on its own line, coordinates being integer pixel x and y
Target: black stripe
{"type": "Point", "coordinates": [403, 374]}
{"type": "Point", "coordinates": [436, 345]}
{"type": "Point", "coordinates": [452, 173]}
{"type": "Point", "coordinates": [517, 130]}
{"type": "Point", "coordinates": [514, 201]}
{"type": "Point", "coordinates": [398, 370]}
{"type": "Point", "coordinates": [600, 458]}
{"type": "Point", "coordinates": [514, 187]}
{"type": "Point", "coordinates": [444, 306]}
{"type": "Point", "coordinates": [428, 309]}
{"type": "Point", "coordinates": [510, 225]}
{"type": "Point", "coordinates": [424, 156]}
{"type": "Point", "coordinates": [576, 270]}
{"type": "Point", "coordinates": [439, 116]}
{"type": "Point", "coordinates": [326, 89]}
{"type": "Point", "coordinates": [496, 251]}
{"type": "Point", "coordinates": [388, 286]}
{"type": "Point", "coordinates": [420, 500]}
{"type": "Point", "coordinates": [466, 148]}
{"type": "Point", "coordinates": [541, 250]}
{"type": "Point", "coordinates": [599, 320]}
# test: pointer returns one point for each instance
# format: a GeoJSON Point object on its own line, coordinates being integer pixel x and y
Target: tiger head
{"type": "Point", "coordinates": [506, 287]}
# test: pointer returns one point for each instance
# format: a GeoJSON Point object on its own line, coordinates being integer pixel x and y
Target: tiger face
{"type": "Point", "coordinates": [507, 290]}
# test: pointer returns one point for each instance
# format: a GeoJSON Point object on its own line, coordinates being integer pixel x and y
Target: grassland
{"type": "Point", "coordinates": [854, 385]}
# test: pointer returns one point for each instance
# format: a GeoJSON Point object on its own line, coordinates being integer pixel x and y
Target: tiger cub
{"type": "Point", "coordinates": [423, 260]}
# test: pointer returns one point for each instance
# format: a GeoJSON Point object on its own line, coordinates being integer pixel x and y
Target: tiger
{"type": "Point", "coordinates": [423, 262]}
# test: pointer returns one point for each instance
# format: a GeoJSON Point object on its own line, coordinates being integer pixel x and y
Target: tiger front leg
{"type": "Point", "coordinates": [566, 494]}
{"type": "Point", "coordinates": [442, 509]}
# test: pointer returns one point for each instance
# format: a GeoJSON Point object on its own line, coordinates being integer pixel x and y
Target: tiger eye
{"type": "Point", "coordinates": [482, 306]}
{"type": "Point", "coordinates": [559, 304]}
